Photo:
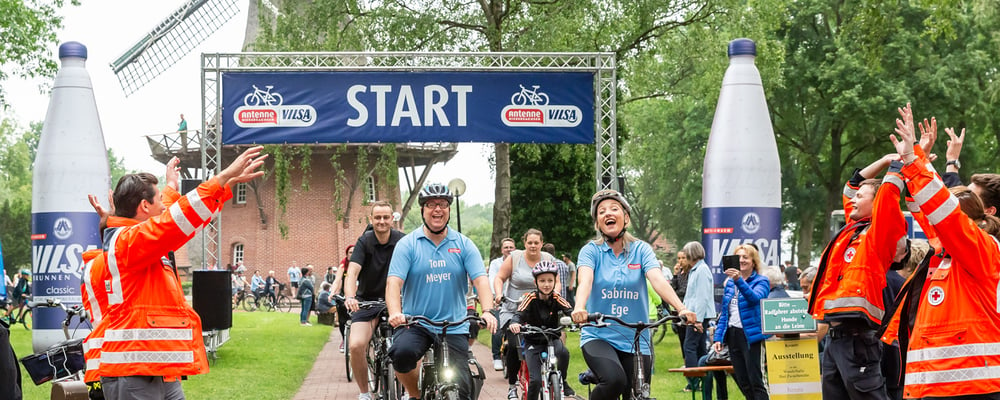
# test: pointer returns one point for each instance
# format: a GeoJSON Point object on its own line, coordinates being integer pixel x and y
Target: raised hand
{"type": "Point", "coordinates": [173, 175]}
{"type": "Point", "coordinates": [904, 128]}
{"type": "Point", "coordinates": [928, 134]}
{"type": "Point", "coordinates": [954, 144]}
{"type": "Point", "coordinates": [244, 167]}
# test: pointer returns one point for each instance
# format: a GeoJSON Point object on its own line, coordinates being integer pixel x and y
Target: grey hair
{"type": "Point", "coordinates": [809, 274]}
{"type": "Point", "coordinates": [774, 275]}
{"type": "Point", "coordinates": [694, 251]}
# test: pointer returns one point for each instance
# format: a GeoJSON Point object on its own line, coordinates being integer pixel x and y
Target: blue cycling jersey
{"type": "Point", "coordinates": [435, 277]}
{"type": "Point", "coordinates": [619, 289]}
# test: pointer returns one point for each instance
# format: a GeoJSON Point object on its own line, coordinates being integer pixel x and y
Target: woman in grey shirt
{"type": "Point", "coordinates": [517, 269]}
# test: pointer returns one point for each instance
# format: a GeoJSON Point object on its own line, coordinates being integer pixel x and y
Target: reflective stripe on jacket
{"type": "Point", "coordinates": [150, 329]}
{"type": "Point", "coordinates": [954, 349]}
{"type": "Point", "coordinates": [852, 271]}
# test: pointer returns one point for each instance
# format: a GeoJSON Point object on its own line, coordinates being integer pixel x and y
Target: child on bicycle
{"type": "Point", "coordinates": [542, 308]}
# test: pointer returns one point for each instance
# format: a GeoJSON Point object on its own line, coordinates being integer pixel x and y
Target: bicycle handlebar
{"type": "Point", "coordinates": [531, 329]}
{"type": "Point", "coordinates": [413, 319]}
{"type": "Point", "coordinates": [598, 321]}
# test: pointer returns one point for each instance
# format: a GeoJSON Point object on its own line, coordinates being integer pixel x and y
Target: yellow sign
{"type": "Point", "coordinates": [793, 369]}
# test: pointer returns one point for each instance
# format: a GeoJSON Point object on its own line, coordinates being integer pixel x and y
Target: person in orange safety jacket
{"type": "Point", "coordinates": [151, 335]}
{"type": "Point", "coordinates": [847, 290]}
{"type": "Point", "coordinates": [954, 348]}
{"type": "Point", "coordinates": [95, 284]}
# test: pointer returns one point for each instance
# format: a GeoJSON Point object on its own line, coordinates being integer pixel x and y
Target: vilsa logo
{"type": "Point", "coordinates": [263, 108]}
{"type": "Point", "coordinates": [530, 107]}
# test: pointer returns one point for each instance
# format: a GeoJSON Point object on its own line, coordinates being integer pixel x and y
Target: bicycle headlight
{"type": "Point", "coordinates": [449, 374]}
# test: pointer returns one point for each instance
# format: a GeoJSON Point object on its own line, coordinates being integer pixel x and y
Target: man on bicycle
{"type": "Point", "coordinates": [22, 290]}
{"type": "Point", "coordinates": [271, 287]}
{"type": "Point", "coordinates": [429, 270]}
{"type": "Point", "coordinates": [366, 275]}
{"type": "Point", "coordinates": [542, 308]}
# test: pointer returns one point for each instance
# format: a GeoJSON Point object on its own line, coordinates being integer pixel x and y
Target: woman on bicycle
{"type": "Point", "coordinates": [615, 267]}
{"type": "Point", "coordinates": [517, 270]}
{"type": "Point", "coordinates": [542, 308]}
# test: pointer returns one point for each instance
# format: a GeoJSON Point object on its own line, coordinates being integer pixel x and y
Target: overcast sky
{"type": "Point", "coordinates": [154, 109]}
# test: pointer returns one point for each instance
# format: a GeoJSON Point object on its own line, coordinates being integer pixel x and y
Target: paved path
{"type": "Point", "coordinates": [328, 381]}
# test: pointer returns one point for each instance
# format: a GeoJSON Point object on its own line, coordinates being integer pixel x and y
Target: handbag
{"type": "Point", "coordinates": [720, 357]}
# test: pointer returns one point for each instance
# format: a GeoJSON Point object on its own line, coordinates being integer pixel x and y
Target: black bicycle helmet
{"type": "Point", "coordinates": [434, 191]}
{"type": "Point", "coordinates": [544, 267]}
{"type": "Point", "coordinates": [602, 195]}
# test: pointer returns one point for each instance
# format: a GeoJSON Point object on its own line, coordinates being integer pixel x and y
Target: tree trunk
{"type": "Point", "coordinates": [501, 201]}
{"type": "Point", "coordinates": [804, 249]}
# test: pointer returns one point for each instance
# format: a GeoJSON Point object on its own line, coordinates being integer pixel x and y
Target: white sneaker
{"type": "Point", "coordinates": [497, 365]}
{"type": "Point", "coordinates": [512, 393]}
{"type": "Point", "coordinates": [365, 396]}
{"type": "Point", "coordinates": [342, 346]}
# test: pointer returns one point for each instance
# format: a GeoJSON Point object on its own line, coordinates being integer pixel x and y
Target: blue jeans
{"type": "Point", "coordinates": [307, 303]}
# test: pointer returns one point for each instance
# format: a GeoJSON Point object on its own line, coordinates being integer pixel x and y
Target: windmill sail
{"type": "Point", "coordinates": [170, 41]}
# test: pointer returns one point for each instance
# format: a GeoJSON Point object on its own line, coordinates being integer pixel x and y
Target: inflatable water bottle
{"type": "Point", "coordinates": [741, 185]}
{"type": "Point", "coordinates": [71, 163]}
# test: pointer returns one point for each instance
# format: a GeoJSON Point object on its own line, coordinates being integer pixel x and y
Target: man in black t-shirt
{"type": "Point", "coordinates": [365, 281]}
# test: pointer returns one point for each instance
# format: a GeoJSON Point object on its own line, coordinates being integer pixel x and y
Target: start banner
{"type": "Point", "coordinates": [366, 107]}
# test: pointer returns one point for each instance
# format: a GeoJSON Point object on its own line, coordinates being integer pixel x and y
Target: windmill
{"type": "Point", "coordinates": [171, 40]}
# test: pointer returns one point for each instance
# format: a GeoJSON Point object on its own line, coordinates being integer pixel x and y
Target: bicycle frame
{"type": "Point", "coordinates": [384, 383]}
{"type": "Point", "coordinates": [441, 376]}
{"type": "Point", "coordinates": [640, 389]}
{"type": "Point", "coordinates": [550, 363]}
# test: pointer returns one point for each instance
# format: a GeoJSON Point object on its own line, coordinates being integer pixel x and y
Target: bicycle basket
{"type": "Point", "coordinates": [62, 360]}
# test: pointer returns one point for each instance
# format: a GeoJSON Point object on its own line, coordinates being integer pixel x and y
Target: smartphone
{"type": "Point", "coordinates": [731, 262]}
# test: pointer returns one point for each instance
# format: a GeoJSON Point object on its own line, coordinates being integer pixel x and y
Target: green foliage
{"type": "Point", "coordinates": [550, 191]}
{"type": "Point", "coordinates": [29, 30]}
{"type": "Point", "coordinates": [17, 152]}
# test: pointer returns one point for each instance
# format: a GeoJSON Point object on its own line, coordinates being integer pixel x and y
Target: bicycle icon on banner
{"type": "Point", "coordinates": [532, 97]}
{"type": "Point", "coordinates": [263, 97]}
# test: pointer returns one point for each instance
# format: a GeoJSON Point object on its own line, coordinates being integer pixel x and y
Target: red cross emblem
{"type": "Point", "coordinates": [935, 296]}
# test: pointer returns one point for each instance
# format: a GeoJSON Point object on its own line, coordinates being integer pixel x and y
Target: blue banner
{"type": "Point", "coordinates": [400, 107]}
{"type": "Point", "coordinates": [725, 228]}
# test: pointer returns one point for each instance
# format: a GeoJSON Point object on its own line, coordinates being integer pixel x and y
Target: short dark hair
{"type": "Point", "coordinates": [549, 248]}
{"type": "Point", "coordinates": [989, 189]}
{"type": "Point", "coordinates": [131, 190]}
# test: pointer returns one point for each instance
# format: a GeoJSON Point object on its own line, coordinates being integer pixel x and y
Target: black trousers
{"type": "Point", "coordinates": [533, 359]}
{"type": "Point", "coordinates": [613, 369]}
{"type": "Point", "coordinates": [410, 344]}
{"type": "Point", "coordinates": [10, 372]}
{"type": "Point", "coordinates": [748, 366]}
{"type": "Point", "coordinates": [852, 365]}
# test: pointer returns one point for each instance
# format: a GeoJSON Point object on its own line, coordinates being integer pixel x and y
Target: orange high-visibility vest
{"type": "Point", "coordinates": [150, 329]}
{"type": "Point", "coordinates": [852, 271]}
{"type": "Point", "coordinates": [955, 345]}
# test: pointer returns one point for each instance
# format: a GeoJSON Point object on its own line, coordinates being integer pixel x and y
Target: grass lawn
{"type": "Point", "coordinates": [267, 357]}
{"type": "Point", "coordinates": [664, 385]}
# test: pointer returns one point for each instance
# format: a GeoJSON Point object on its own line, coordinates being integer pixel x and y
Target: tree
{"type": "Point", "coordinates": [552, 191]}
{"type": "Point", "coordinates": [17, 151]}
{"type": "Point", "coordinates": [29, 30]}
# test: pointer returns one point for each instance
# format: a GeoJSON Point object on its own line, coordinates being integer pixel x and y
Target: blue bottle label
{"type": "Point", "coordinates": [725, 228]}
{"type": "Point", "coordinates": [58, 241]}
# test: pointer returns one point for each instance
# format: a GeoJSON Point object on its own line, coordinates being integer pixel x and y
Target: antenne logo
{"type": "Point", "coordinates": [266, 108]}
{"type": "Point", "coordinates": [530, 107]}
{"type": "Point", "coordinates": [62, 228]}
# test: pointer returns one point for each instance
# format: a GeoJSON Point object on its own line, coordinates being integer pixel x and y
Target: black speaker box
{"type": "Point", "coordinates": [212, 295]}
{"type": "Point", "coordinates": [188, 185]}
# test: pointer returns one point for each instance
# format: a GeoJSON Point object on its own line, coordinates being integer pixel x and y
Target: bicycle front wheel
{"type": "Point", "coordinates": [554, 386]}
{"type": "Point", "coordinates": [347, 353]}
{"type": "Point", "coordinates": [284, 304]}
{"type": "Point", "coordinates": [392, 388]}
{"type": "Point", "coordinates": [659, 334]}
{"type": "Point", "coordinates": [26, 319]}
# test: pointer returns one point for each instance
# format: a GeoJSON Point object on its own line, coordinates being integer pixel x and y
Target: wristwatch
{"type": "Point", "coordinates": [956, 163]}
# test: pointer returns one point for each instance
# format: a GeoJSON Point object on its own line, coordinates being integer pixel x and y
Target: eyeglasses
{"type": "Point", "coordinates": [436, 204]}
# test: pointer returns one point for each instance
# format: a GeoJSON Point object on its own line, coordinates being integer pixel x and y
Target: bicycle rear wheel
{"type": "Point", "coordinates": [284, 304]}
{"type": "Point", "coordinates": [248, 304]}
{"type": "Point", "coordinates": [554, 386]}
{"type": "Point", "coordinates": [659, 334]}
